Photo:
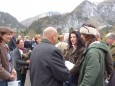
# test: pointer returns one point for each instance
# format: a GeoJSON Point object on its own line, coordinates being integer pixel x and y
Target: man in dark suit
{"type": "Point", "coordinates": [47, 66]}
{"type": "Point", "coordinates": [12, 42]}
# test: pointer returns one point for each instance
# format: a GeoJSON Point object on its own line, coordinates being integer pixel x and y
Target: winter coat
{"type": "Point", "coordinates": [92, 65]}
{"type": "Point", "coordinates": [20, 63]}
{"type": "Point", "coordinates": [112, 48]}
{"type": "Point", "coordinates": [73, 56]}
{"type": "Point", "coordinates": [4, 64]}
{"type": "Point", "coordinates": [108, 61]}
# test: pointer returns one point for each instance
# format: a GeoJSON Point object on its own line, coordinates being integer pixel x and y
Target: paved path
{"type": "Point", "coordinates": [27, 82]}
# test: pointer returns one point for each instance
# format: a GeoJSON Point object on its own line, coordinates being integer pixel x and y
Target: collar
{"type": "Point", "coordinates": [113, 45]}
{"type": "Point", "coordinates": [46, 41]}
{"type": "Point", "coordinates": [95, 42]}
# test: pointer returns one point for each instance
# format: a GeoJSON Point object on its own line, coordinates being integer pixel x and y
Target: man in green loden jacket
{"type": "Point", "coordinates": [92, 66]}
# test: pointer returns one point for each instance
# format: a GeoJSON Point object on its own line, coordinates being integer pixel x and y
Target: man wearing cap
{"type": "Point", "coordinates": [92, 66]}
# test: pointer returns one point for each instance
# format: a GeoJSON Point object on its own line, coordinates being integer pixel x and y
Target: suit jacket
{"type": "Point", "coordinates": [28, 45]}
{"type": "Point", "coordinates": [4, 63]}
{"type": "Point", "coordinates": [47, 66]}
{"type": "Point", "coordinates": [12, 43]}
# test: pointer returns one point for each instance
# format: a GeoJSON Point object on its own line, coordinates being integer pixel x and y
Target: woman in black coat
{"type": "Point", "coordinates": [21, 60]}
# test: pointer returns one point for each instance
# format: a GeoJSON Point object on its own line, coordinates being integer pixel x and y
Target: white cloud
{"type": "Point", "coordinates": [22, 9]}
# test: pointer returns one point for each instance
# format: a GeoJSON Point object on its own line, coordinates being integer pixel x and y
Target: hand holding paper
{"type": "Point", "coordinates": [69, 65]}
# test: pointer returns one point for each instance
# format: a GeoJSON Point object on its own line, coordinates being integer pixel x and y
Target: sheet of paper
{"type": "Point", "coordinates": [69, 65]}
{"type": "Point", "coordinates": [106, 81]}
{"type": "Point", "coordinates": [14, 83]}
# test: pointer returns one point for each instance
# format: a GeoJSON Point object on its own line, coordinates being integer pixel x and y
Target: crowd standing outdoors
{"type": "Point", "coordinates": [45, 57]}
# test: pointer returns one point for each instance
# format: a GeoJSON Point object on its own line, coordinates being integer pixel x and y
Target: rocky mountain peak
{"type": "Point", "coordinates": [9, 21]}
{"type": "Point", "coordinates": [107, 11]}
{"type": "Point", "coordinates": [101, 14]}
{"type": "Point", "coordinates": [87, 9]}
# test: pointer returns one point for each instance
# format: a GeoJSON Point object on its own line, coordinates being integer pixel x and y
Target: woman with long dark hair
{"type": "Point", "coordinates": [75, 49]}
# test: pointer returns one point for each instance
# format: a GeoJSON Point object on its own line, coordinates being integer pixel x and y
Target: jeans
{"type": "Point", "coordinates": [3, 83]}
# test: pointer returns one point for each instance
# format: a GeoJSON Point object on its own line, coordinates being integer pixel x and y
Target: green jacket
{"type": "Point", "coordinates": [92, 65]}
{"type": "Point", "coordinates": [112, 48]}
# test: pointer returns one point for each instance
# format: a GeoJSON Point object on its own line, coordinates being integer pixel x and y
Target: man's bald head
{"type": "Point", "coordinates": [50, 33]}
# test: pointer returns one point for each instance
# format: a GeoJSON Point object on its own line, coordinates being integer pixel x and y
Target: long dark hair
{"type": "Point", "coordinates": [80, 42]}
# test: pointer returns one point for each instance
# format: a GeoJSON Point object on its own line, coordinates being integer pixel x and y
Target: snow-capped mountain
{"type": "Point", "coordinates": [29, 21]}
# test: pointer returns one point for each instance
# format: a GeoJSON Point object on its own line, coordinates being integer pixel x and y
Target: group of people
{"type": "Point", "coordinates": [92, 58]}
{"type": "Point", "coordinates": [14, 56]}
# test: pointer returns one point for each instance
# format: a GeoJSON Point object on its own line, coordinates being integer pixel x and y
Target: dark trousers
{"type": "Point", "coordinates": [67, 84]}
{"type": "Point", "coordinates": [70, 82]}
{"type": "Point", "coordinates": [112, 79]}
{"type": "Point", "coordinates": [21, 77]}
{"type": "Point", "coordinates": [3, 83]}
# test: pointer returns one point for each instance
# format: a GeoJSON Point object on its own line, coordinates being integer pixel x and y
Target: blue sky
{"type": "Point", "coordinates": [23, 9]}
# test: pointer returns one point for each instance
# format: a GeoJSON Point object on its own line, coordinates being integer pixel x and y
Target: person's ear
{"type": "Point", "coordinates": [0, 35]}
{"type": "Point", "coordinates": [53, 36]}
